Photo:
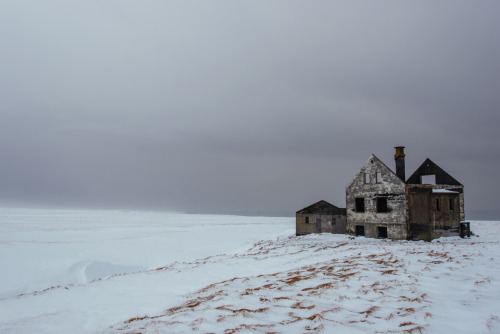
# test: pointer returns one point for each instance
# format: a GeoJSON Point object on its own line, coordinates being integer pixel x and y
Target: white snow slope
{"type": "Point", "coordinates": [150, 272]}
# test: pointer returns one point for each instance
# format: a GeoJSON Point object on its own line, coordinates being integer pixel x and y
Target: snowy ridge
{"type": "Point", "coordinates": [359, 285]}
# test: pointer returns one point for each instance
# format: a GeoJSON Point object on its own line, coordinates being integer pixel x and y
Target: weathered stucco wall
{"type": "Point", "coordinates": [386, 186]}
{"type": "Point", "coordinates": [319, 223]}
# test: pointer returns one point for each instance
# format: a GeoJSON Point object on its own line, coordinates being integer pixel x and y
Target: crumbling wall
{"type": "Point", "coordinates": [375, 180]}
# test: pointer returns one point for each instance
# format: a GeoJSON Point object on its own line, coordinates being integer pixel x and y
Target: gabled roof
{"type": "Point", "coordinates": [430, 168]}
{"type": "Point", "coordinates": [323, 207]}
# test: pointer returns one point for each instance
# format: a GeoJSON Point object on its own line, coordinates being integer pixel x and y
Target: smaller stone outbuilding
{"type": "Point", "coordinates": [320, 217]}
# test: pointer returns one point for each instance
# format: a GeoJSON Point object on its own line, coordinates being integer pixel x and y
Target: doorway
{"type": "Point", "coordinates": [360, 230]}
{"type": "Point", "coordinates": [318, 225]}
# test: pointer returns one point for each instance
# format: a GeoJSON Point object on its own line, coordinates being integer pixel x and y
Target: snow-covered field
{"type": "Point", "coordinates": [67, 271]}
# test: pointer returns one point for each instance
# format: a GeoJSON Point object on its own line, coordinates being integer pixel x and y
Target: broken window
{"type": "Point", "coordinates": [382, 204]}
{"type": "Point", "coordinates": [438, 204]}
{"type": "Point", "coordinates": [452, 204]}
{"type": "Point", "coordinates": [360, 204]}
{"type": "Point", "coordinates": [367, 178]}
{"type": "Point", "coordinates": [382, 232]}
{"type": "Point", "coordinates": [307, 220]}
{"type": "Point", "coordinates": [379, 177]}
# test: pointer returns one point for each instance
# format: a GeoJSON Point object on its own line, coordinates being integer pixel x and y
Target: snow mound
{"type": "Point", "coordinates": [88, 270]}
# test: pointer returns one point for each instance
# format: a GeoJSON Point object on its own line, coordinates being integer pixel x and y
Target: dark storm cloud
{"type": "Point", "coordinates": [241, 106]}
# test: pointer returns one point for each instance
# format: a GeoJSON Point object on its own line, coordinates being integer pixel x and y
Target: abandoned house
{"type": "Point", "coordinates": [320, 217]}
{"type": "Point", "coordinates": [380, 204]}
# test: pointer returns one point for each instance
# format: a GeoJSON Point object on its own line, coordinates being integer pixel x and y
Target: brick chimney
{"type": "Point", "coordinates": [399, 157]}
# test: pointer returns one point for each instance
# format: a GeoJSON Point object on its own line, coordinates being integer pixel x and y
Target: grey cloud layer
{"type": "Point", "coordinates": [241, 106]}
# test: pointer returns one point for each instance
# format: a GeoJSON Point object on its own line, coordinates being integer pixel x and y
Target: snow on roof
{"type": "Point", "coordinates": [446, 191]}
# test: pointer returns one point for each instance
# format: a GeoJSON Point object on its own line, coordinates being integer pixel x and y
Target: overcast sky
{"type": "Point", "coordinates": [244, 107]}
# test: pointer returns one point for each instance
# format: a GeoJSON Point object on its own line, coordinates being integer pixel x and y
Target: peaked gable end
{"type": "Point", "coordinates": [428, 167]}
{"type": "Point", "coordinates": [374, 171]}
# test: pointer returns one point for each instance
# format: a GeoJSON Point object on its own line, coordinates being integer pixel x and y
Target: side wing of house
{"type": "Point", "coordinates": [376, 203]}
{"type": "Point", "coordinates": [435, 202]}
{"type": "Point", "coordinates": [320, 217]}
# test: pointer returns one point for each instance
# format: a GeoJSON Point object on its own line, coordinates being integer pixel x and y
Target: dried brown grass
{"type": "Point", "coordinates": [299, 305]}
{"type": "Point", "coordinates": [370, 311]}
{"type": "Point", "coordinates": [389, 272]}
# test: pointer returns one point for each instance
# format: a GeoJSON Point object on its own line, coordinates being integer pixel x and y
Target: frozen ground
{"type": "Point", "coordinates": [129, 272]}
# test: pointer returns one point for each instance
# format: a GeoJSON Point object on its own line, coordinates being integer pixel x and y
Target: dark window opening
{"type": "Point", "coordinates": [382, 204]}
{"type": "Point", "coordinates": [438, 204]}
{"type": "Point", "coordinates": [382, 232]}
{"type": "Point", "coordinates": [360, 204]}
{"type": "Point", "coordinates": [360, 230]}
{"type": "Point", "coordinates": [452, 206]}
{"type": "Point", "coordinates": [307, 220]}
